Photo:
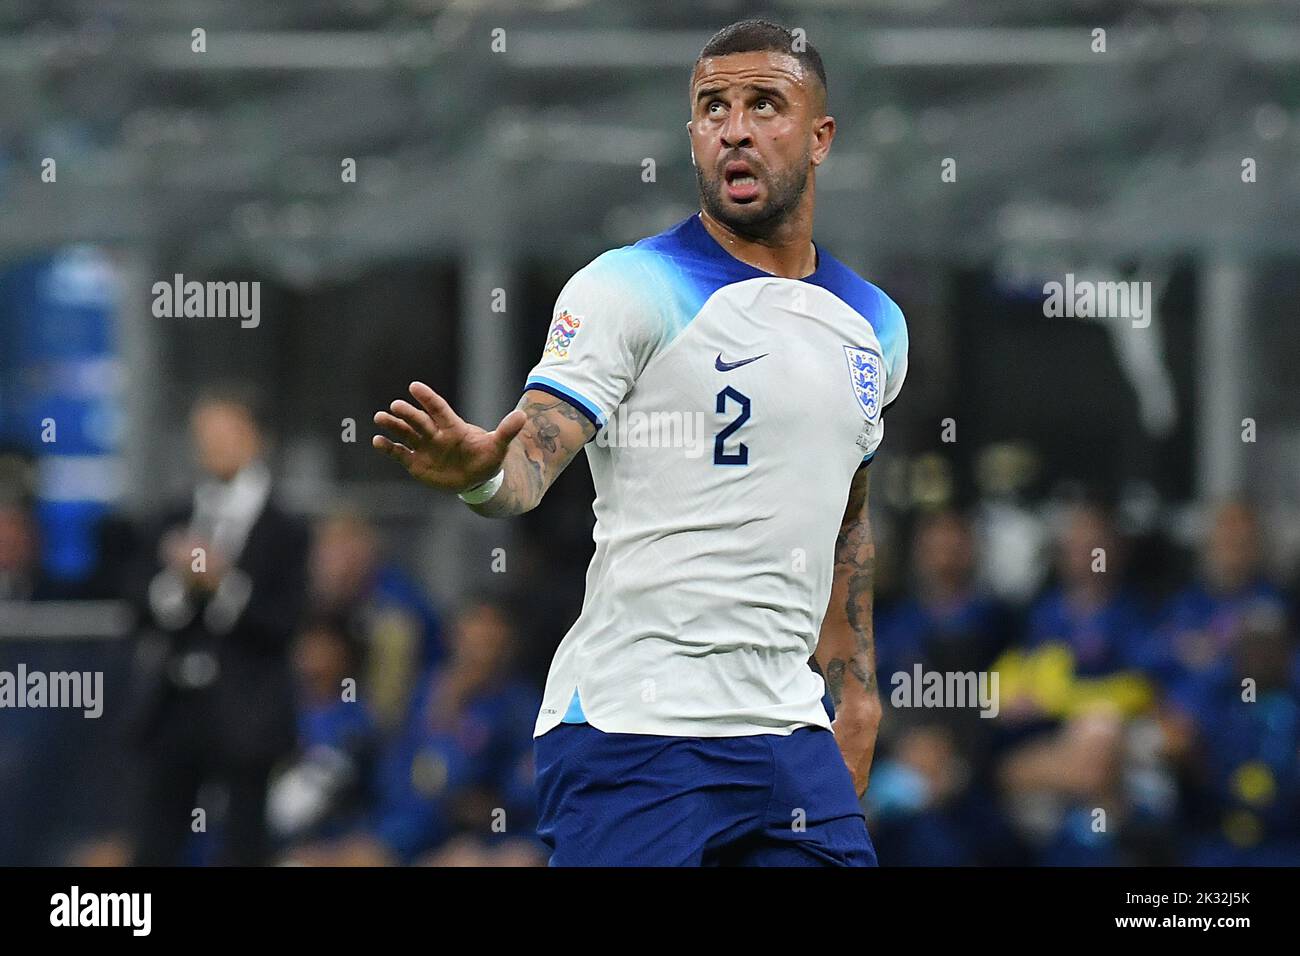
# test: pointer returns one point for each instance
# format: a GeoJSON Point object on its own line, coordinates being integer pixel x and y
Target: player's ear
{"type": "Point", "coordinates": [823, 136]}
{"type": "Point", "coordinates": [688, 136]}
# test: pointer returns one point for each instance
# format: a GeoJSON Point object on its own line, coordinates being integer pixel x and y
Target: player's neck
{"type": "Point", "coordinates": [788, 253]}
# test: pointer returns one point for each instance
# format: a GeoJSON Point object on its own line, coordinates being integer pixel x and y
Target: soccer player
{"type": "Point", "coordinates": [681, 722]}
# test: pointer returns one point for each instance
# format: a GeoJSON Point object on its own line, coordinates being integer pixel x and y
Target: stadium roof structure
{"type": "Point", "coordinates": [234, 153]}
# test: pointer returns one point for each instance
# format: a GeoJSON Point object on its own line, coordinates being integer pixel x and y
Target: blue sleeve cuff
{"type": "Point", "coordinates": [580, 402]}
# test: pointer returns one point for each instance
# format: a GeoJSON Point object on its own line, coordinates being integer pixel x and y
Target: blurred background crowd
{"type": "Point", "coordinates": [306, 692]}
{"type": "Point", "coordinates": [1147, 711]}
{"type": "Point", "coordinates": [309, 659]}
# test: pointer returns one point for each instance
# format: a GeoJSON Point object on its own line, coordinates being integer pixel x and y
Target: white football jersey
{"type": "Point", "coordinates": [733, 408]}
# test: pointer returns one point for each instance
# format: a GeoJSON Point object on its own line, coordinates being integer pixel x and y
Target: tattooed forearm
{"type": "Point", "coordinates": [855, 563]}
{"type": "Point", "coordinates": [846, 651]}
{"type": "Point", "coordinates": [537, 456]}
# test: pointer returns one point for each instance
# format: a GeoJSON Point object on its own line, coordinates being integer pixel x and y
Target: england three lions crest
{"type": "Point", "coordinates": [867, 375]}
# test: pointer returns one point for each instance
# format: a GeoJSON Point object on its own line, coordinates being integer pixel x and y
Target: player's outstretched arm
{"type": "Point", "coordinates": [530, 447]}
{"type": "Point", "coordinates": [846, 649]}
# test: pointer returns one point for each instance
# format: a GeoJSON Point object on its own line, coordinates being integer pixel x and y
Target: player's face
{"type": "Point", "coordinates": [756, 132]}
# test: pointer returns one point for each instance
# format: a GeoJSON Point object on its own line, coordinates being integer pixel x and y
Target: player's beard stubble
{"type": "Point", "coordinates": [759, 218]}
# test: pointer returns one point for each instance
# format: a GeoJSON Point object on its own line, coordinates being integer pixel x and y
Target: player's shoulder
{"type": "Point", "coordinates": [647, 275]}
{"type": "Point", "coordinates": [683, 250]}
{"type": "Point", "coordinates": [637, 260]}
{"type": "Point", "coordinates": [867, 299]}
{"type": "Point", "coordinates": [624, 275]}
{"type": "Point", "coordinates": [864, 297]}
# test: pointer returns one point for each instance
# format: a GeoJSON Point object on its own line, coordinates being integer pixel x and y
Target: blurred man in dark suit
{"type": "Point", "coordinates": [214, 680]}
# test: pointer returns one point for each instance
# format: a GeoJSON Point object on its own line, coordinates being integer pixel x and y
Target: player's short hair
{"type": "Point", "coordinates": [764, 36]}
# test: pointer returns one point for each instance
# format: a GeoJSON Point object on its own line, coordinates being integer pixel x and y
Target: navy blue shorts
{"type": "Point", "coordinates": [648, 800]}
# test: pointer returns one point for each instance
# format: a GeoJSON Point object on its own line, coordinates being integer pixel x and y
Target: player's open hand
{"type": "Point", "coordinates": [438, 447]}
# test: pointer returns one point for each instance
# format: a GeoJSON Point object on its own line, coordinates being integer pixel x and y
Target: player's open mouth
{"type": "Point", "coordinates": [742, 184]}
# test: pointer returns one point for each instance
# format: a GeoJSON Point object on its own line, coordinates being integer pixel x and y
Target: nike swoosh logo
{"type": "Point", "coordinates": [722, 366]}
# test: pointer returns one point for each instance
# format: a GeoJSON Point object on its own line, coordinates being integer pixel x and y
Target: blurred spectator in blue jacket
{"type": "Point", "coordinates": [456, 786]}
{"type": "Point", "coordinates": [385, 606]}
{"type": "Point", "coordinates": [1200, 622]}
{"type": "Point", "coordinates": [1084, 637]}
{"type": "Point", "coordinates": [322, 792]}
{"type": "Point", "coordinates": [24, 754]}
{"type": "Point", "coordinates": [946, 622]}
{"type": "Point", "coordinates": [1071, 696]}
{"type": "Point", "coordinates": [1243, 750]}
{"type": "Point", "coordinates": [926, 808]}
{"type": "Point", "coordinates": [22, 576]}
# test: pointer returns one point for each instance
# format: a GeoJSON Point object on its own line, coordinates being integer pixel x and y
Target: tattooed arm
{"type": "Point", "coordinates": [553, 433]}
{"type": "Point", "coordinates": [846, 650]}
{"type": "Point", "coordinates": [531, 445]}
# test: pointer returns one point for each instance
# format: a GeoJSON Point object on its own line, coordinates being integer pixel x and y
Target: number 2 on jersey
{"type": "Point", "coordinates": [741, 455]}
